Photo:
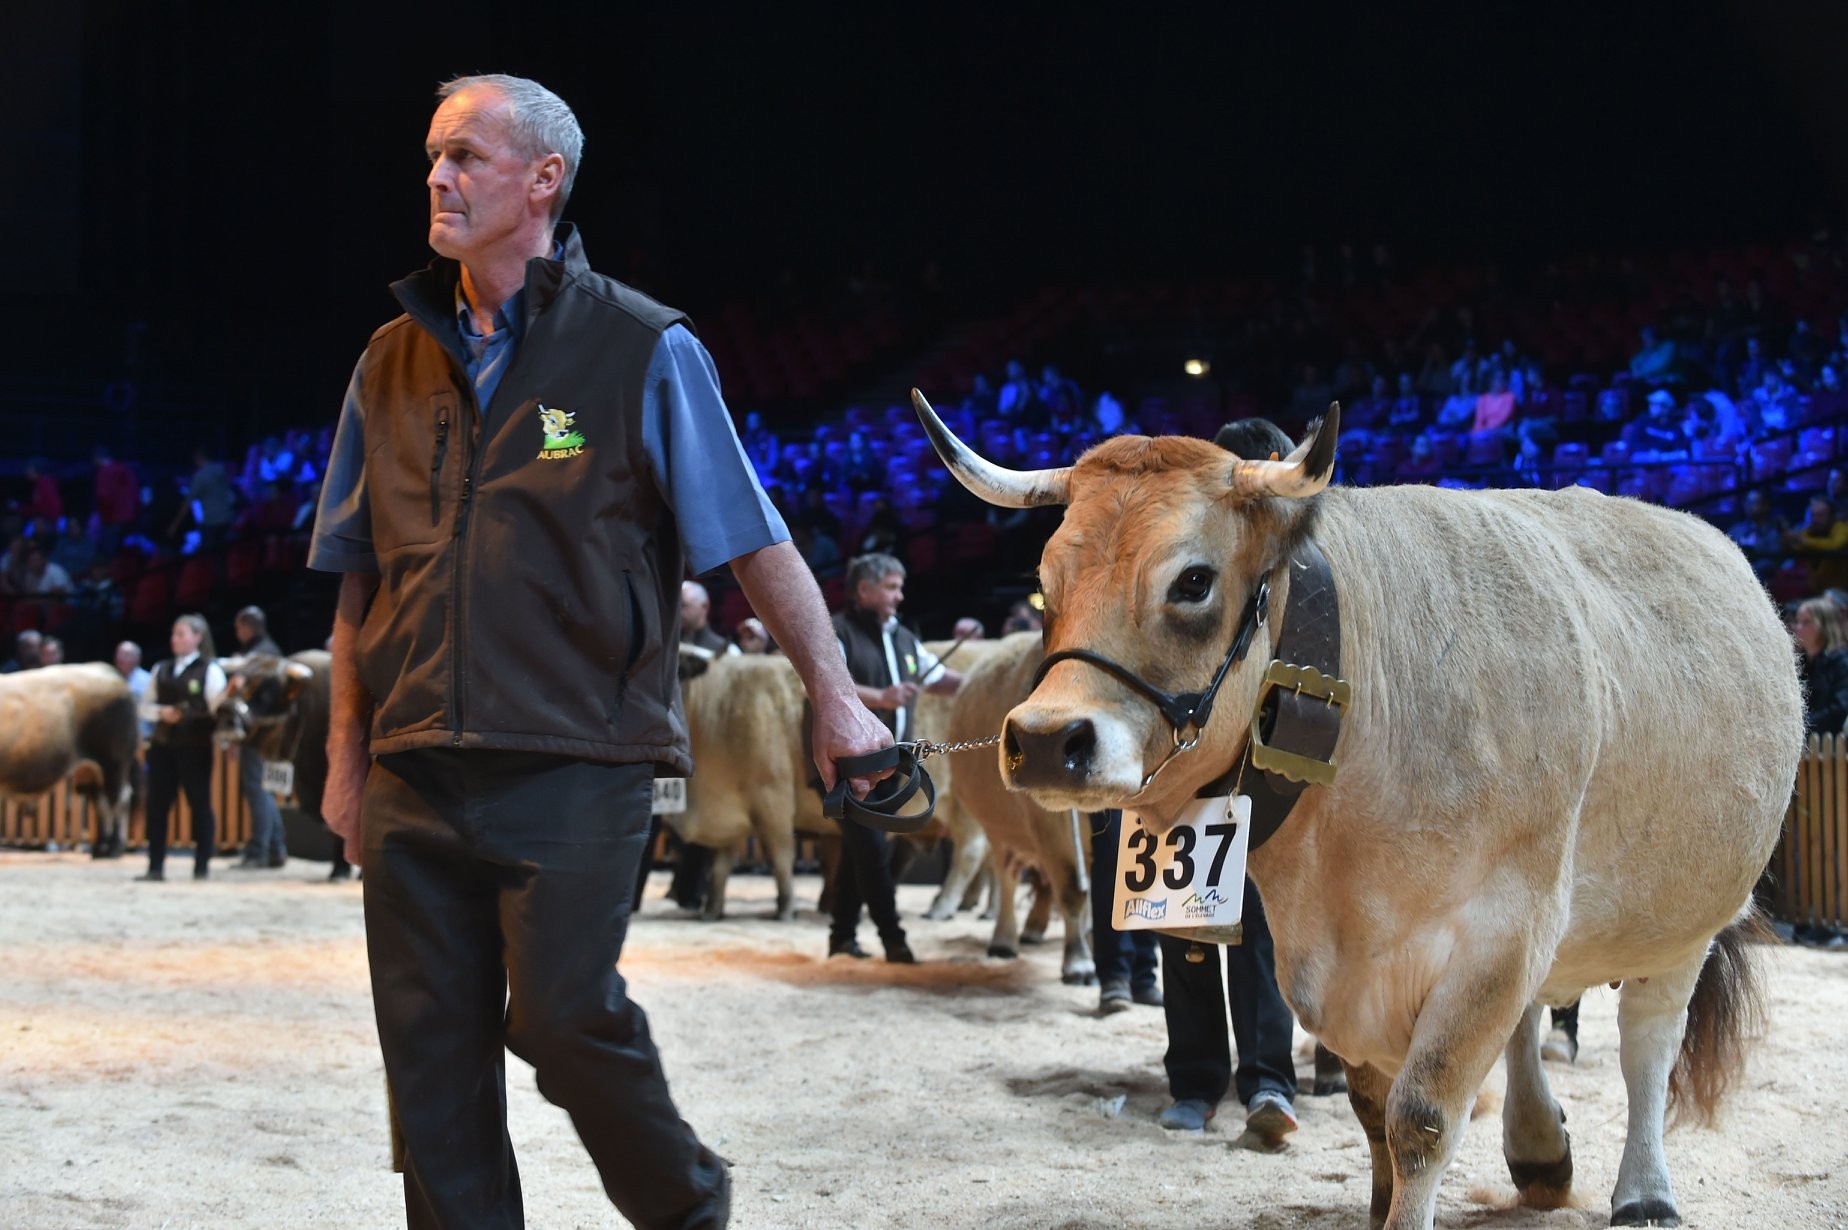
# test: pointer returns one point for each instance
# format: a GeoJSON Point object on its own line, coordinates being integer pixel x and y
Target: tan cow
{"type": "Point", "coordinates": [970, 859]}
{"type": "Point", "coordinates": [750, 773]}
{"type": "Point", "coordinates": [1025, 836]}
{"type": "Point", "coordinates": [1574, 727]}
{"type": "Point", "coordinates": [76, 721]}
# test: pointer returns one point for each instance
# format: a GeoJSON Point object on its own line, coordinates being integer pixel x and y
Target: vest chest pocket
{"type": "Point", "coordinates": [410, 471]}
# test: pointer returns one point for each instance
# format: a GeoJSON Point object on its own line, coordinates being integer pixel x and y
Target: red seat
{"type": "Point", "coordinates": [198, 576]}
{"type": "Point", "coordinates": [242, 562]}
{"type": "Point", "coordinates": [148, 603]}
{"type": "Point", "coordinates": [734, 609]}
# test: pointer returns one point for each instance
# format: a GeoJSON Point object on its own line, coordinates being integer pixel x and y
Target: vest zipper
{"type": "Point", "coordinates": [458, 655]}
{"type": "Point", "coordinates": [436, 469]}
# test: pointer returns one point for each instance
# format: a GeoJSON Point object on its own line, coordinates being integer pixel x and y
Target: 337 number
{"type": "Point", "coordinates": [1180, 871]}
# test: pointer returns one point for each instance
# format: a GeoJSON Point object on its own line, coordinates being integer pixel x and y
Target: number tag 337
{"type": "Point", "coordinates": [1191, 876]}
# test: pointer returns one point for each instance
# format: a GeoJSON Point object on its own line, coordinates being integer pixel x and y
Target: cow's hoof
{"type": "Point", "coordinates": [1003, 952]}
{"type": "Point", "coordinates": [939, 915]}
{"type": "Point", "coordinates": [1033, 937]}
{"type": "Point", "coordinates": [1079, 978]}
{"type": "Point", "coordinates": [1646, 1213]}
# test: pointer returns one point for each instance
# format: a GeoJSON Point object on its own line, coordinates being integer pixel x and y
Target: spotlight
{"type": "Point", "coordinates": [1197, 367]}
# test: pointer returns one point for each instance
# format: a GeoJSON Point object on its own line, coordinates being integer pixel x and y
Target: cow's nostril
{"type": "Point", "coordinates": [1064, 753]}
{"type": "Point", "coordinates": [1080, 741]}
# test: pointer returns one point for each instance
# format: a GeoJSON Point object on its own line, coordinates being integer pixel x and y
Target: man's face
{"type": "Point", "coordinates": [882, 597]}
{"type": "Point", "coordinates": [480, 186]}
{"type": "Point", "coordinates": [694, 608]}
{"type": "Point", "coordinates": [1821, 514]}
{"type": "Point", "coordinates": [126, 660]}
{"type": "Point", "coordinates": [246, 633]}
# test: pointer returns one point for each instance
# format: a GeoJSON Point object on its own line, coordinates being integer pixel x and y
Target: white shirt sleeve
{"type": "Point", "coordinates": [215, 686]}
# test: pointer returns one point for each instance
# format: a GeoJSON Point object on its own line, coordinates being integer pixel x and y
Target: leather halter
{"type": "Point", "coordinates": [1185, 711]}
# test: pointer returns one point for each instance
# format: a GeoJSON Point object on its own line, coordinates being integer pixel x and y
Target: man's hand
{"type": "Point", "coordinates": [896, 696]}
{"type": "Point", "coordinates": [169, 714]}
{"type": "Point", "coordinates": [845, 727]}
{"type": "Point", "coordinates": [347, 767]}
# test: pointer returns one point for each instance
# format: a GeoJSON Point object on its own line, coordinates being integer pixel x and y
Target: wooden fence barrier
{"type": "Point", "coordinates": [63, 819]}
{"type": "Point", "coordinates": [1810, 868]}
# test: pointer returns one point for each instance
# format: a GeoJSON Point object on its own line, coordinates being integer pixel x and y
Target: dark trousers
{"type": "Point", "coordinates": [498, 887]}
{"type": "Point", "coordinates": [865, 879]}
{"type": "Point", "coordinates": [1199, 1060]}
{"type": "Point", "coordinates": [171, 770]}
{"type": "Point", "coordinates": [1122, 956]}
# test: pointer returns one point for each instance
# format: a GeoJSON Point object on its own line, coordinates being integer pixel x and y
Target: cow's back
{"type": "Point", "coordinates": [1551, 684]}
{"type": "Point", "coordinates": [55, 717]}
{"type": "Point", "coordinates": [744, 718]}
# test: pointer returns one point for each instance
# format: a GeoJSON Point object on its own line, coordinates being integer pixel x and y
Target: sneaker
{"type": "Point", "coordinates": [1270, 1116]}
{"type": "Point", "coordinates": [1560, 1047]}
{"type": "Point", "coordinates": [1149, 996]}
{"type": "Point", "coordinates": [341, 871]}
{"type": "Point", "coordinates": [202, 873]}
{"type": "Point", "coordinates": [899, 953]}
{"type": "Point", "coordinates": [153, 874]}
{"type": "Point", "coordinates": [1187, 1115]}
{"type": "Point", "coordinates": [1113, 997]}
{"type": "Point", "coordinates": [847, 948]}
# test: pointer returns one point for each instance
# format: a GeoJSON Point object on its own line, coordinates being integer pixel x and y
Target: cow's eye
{"type": "Point", "coordinates": [1193, 585]}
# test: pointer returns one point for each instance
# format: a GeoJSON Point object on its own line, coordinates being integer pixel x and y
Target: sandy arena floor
{"type": "Point", "coordinates": [202, 1055]}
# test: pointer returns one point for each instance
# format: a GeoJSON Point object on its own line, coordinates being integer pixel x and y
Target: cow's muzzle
{"type": "Point", "coordinates": [1049, 759]}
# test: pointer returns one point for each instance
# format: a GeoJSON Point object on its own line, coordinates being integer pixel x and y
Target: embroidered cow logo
{"type": "Point", "coordinates": [558, 438]}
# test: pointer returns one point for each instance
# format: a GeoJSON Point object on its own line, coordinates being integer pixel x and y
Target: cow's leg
{"type": "Point", "coordinates": [1651, 1016]}
{"type": "Point", "coordinates": [987, 881]}
{"type": "Point", "coordinates": [1367, 1089]}
{"type": "Point", "coordinates": [1005, 942]}
{"type": "Point", "coordinates": [1076, 966]}
{"type": "Point", "coordinates": [722, 860]}
{"type": "Point", "coordinates": [1040, 916]}
{"type": "Point", "coordinates": [779, 847]}
{"type": "Point", "coordinates": [783, 867]}
{"type": "Point", "coordinates": [965, 865]}
{"type": "Point", "coordinates": [1464, 1025]}
{"type": "Point", "coordinates": [1534, 1138]}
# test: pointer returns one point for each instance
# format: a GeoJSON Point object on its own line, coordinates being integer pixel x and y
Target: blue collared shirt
{"type": "Point", "coordinates": [693, 452]}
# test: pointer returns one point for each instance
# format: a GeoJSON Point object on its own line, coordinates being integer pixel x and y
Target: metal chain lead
{"type": "Point", "coordinates": [924, 749]}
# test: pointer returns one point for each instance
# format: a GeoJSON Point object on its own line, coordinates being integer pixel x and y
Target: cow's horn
{"type": "Point", "coordinates": [1300, 475]}
{"type": "Point", "coordinates": [298, 671]}
{"type": "Point", "coordinates": [996, 484]}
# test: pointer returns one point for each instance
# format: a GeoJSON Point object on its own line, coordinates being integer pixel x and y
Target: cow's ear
{"type": "Point", "coordinates": [295, 677]}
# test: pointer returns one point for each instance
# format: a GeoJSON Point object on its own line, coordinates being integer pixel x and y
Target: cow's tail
{"type": "Point", "coordinates": [1726, 1012]}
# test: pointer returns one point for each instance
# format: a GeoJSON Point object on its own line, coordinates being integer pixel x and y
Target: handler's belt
{"type": "Point", "coordinates": [880, 808]}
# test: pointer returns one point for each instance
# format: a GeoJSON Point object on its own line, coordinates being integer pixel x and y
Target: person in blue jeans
{"type": "Point", "coordinates": [268, 846]}
{"type": "Point", "coordinates": [1126, 961]}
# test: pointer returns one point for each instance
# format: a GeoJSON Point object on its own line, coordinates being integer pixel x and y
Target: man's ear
{"type": "Point", "coordinates": [549, 177]}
